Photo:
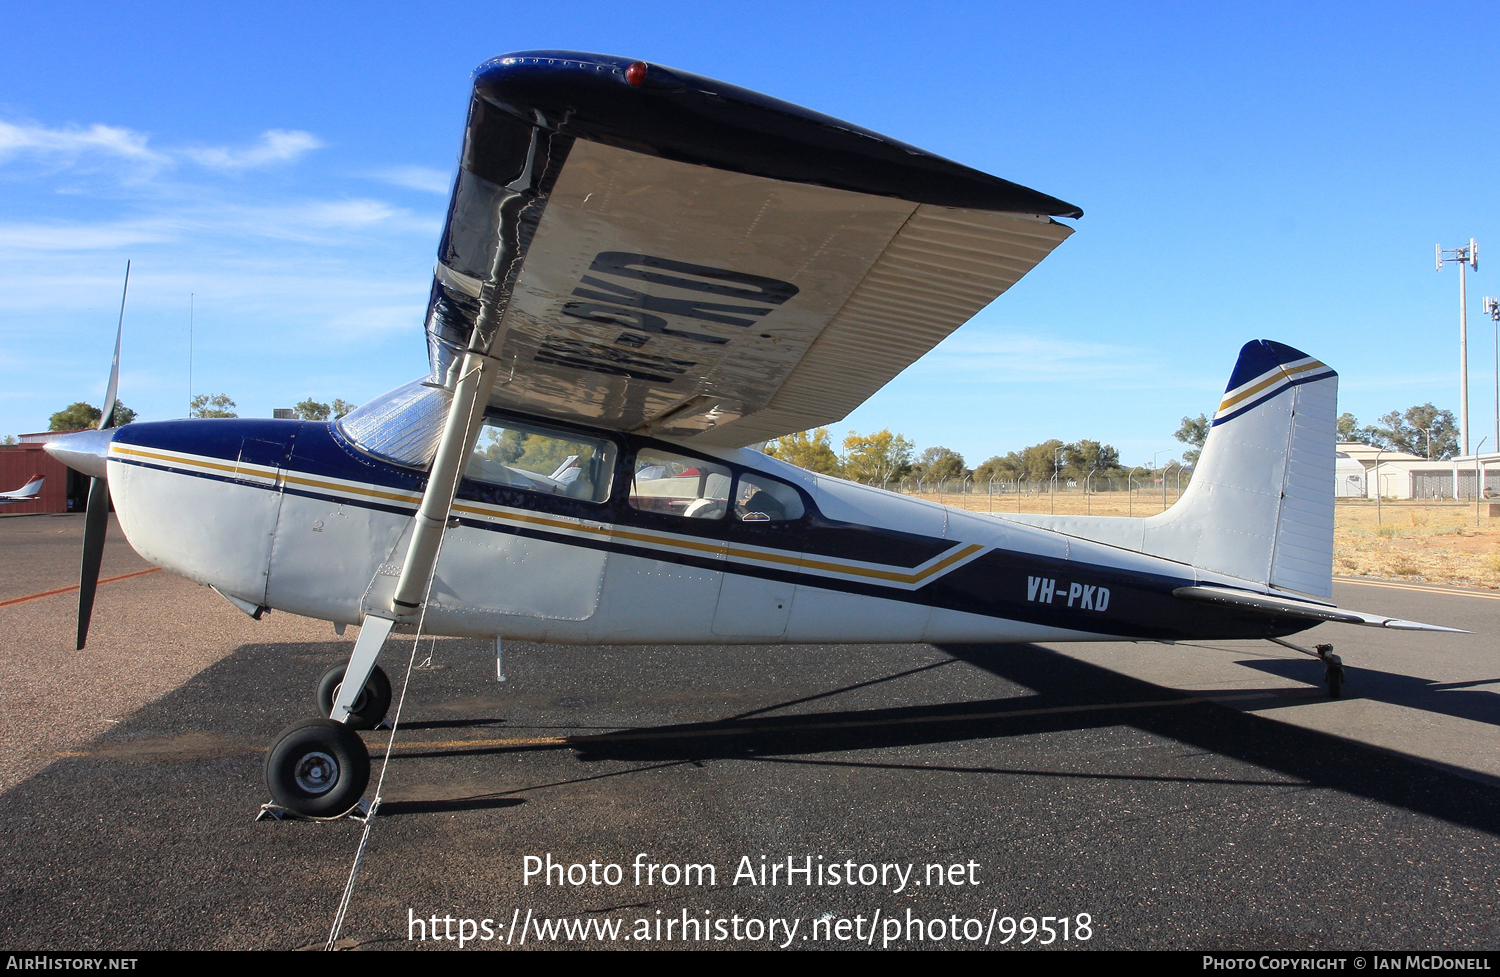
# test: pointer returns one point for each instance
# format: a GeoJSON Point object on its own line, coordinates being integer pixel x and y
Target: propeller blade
{"type": "Point", "coordinates": [96, 523]}
{"type": "Point", "coordinates": [107, 419]}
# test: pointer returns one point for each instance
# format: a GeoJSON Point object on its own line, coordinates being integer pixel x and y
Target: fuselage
{"type": "Point", "coordinates": [297, 517]}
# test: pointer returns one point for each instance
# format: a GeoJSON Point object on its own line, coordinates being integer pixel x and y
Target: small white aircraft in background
{"type": "Point", "coordinates": [643, 272]}
{"type": "Point", "coordinates": [26, 493]}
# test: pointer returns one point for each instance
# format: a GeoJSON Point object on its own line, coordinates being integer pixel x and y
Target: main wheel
{"type": "Point", "coordinates": [369, 707]}
{"type": "Point", "coordinates": [318, 768]}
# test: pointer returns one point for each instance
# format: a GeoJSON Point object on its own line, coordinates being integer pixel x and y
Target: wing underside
{"type": "Point", "coordinates": [630, 269]}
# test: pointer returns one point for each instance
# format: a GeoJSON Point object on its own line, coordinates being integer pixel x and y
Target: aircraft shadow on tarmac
{"type": "Point", "coordinates": [1070, 695]}
{"type": "Point", "coordinates": [1461, 700]}
{"type": "Point", "coordinates": [247, 695]}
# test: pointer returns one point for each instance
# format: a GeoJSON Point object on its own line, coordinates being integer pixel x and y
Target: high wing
{"type": "Point", "coordinates": [647, 250]}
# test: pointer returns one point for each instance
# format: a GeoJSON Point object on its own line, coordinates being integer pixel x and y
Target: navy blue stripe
{"type": "Point", "coordinates": [995, 585]}
{"type": "Point", "coordinates": [1267, 396]}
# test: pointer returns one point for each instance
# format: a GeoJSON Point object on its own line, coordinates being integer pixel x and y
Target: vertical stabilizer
{"type": "Point", "coordinates": [1260, 505]}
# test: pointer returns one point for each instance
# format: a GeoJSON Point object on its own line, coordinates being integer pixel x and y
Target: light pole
{"type": "Point", "coordinates": [1492, 309]}
{"type": "Point", "coordinates": [1478, 479]}
{"type": "Point", "coordinates": [1129, 498]}
{"type": "Point", "coordinates": [1378, 452]}
{"type": "Point", "coordinates": [1163, 478]}
{"type": "Point", "coordinates": [1464, 256]}
{"type": "Point", "coordinates": [1056, 467]}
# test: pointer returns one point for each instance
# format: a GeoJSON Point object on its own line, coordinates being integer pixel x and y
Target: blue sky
{"type": "Point", "coordinates": [1246, 171]}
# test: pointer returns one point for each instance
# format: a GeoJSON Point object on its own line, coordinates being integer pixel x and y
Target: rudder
{"type": "Point", "coordinates": [1260, 504]}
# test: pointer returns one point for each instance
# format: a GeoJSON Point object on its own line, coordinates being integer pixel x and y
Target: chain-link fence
{"type": "Point", "coordinates": [1134, 493]}
{"type": "Point", "coordinates": [1439, 485]}
{"type": "Point", "coordinates": [1144, 493]}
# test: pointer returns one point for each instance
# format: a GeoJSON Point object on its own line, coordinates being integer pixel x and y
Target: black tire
{"type": "Point", "coordinates": [371, 706]}
{"type": "Point", "coordinates": [318, 768]}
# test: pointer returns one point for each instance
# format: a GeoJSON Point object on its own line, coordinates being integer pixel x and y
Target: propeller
{"type": "Point", "coordinates": [96, 521]}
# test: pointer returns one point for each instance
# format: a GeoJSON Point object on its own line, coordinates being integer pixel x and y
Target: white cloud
{"type": "Point", "coordinates": [424, 178]}
{"type": "Point", "coordinates": [1040, 358]}
{"type": "Point", "coordinates": [275, 146]}
{"type": "Point", "coordinates": [321, 222]}
{"type": "Point", "coordinates": [84, 237]}
{"type": "Point", "coordinates": [74, 146]}
{"type": "Point", "coordinates": [72, 141]}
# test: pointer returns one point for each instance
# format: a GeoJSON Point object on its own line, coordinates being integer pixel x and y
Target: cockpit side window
{"type": "Point", "coordinates": [538, 459]}
{"type": "Point", "coordinates": [761, 499]}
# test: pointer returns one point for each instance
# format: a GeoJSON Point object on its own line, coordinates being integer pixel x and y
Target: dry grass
{"type": "Point", "coordinates": [1425, 542]}
{"type": "Point", "coordinates": [1418, 541]}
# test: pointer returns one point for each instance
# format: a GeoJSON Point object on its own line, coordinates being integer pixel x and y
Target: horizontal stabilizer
{"type": "Point", "coordinates": [1310, 610]}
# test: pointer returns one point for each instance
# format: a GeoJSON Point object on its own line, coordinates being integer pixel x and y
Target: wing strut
{"type": "Point", "coordinates": [470, 395]}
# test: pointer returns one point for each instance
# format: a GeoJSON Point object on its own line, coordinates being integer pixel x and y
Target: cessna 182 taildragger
{"type": "Point", "coordinates": [643, 272]}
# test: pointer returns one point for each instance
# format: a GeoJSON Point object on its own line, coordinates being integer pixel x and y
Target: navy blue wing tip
{"type": "Point", "coordinates": [523, 66]}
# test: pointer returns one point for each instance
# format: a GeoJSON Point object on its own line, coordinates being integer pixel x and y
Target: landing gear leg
{"type": "Point", "coordinates": [372, 635]}
{"type": "Point", "coordinates": [1333, 665]}
{"type": "Point", "coordinates": [370, 706]}
{"type": "Point", "coordinates": [319, 768]}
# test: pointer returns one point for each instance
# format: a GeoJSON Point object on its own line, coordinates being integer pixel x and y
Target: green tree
{"type": "Point", "coordinates": [806, 449]}
{"type": "Point", "coordinates": [341, 407]}
{"type": "Point", "coordinates": [1421, 430]}
{"type": "Point", "coordinates": [8, 439]}
{"type": "Point", "coordinates": [1082, 457]}
{"type": "Point", "coordinates": [1194, 432]}
{"type": "Point", "coordinates": [312, 410]}
{"type": "Point", "coordinates": [79, 415]}
{"type": "Point", "coordinates": [215, 405]}
{"type": "Point", "coordinates": [1039, 461]}
{"type": "Point", "coordinates": [1347, 429]}
{"type": "Point", "coordinates": [939, 463]}
{"type": "Point", "coordinates": [998, 468]}
{"type": "Point", "coordinates": [876, 457]}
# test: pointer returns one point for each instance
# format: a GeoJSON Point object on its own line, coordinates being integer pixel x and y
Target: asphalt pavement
{"type": "Point", "coordinates": [1205, 795]}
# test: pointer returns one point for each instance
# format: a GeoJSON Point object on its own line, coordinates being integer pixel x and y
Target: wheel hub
{"type": "Point", "coordinates": [316, 772]}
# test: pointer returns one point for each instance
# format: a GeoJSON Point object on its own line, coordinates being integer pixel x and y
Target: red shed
{"type": "Point", "coordinates": [64, 491]}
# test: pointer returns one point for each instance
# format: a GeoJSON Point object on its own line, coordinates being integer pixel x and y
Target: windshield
{"type": "Point", "coordinates": [402, 426]}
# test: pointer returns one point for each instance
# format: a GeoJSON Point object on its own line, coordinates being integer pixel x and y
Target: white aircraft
{"type": "Point", "coordinates": [643, 273]}
{"type": "Point", "coordinates": [26, 493]}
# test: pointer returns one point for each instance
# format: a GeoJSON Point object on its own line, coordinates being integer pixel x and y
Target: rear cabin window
{"type": "Point", "coordinates": [537, 459]}
{"type": "Point", "coordinates": [679, 485]}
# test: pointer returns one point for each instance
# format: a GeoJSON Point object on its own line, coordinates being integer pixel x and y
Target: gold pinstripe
{"type": "Point", "coordinates": [1281, 373]}
{"type": "Point", "coordinates": [718, 549]}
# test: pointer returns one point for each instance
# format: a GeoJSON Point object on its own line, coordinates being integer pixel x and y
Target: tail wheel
{"type": "Point", "coordinates": [318, 768]}
{"type": "Point", "coordinates": [369, 707]}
